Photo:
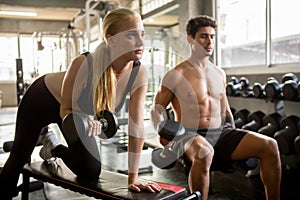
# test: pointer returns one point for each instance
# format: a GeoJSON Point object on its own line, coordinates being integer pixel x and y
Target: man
{"type": "Point", "coordinates": [196, 91]}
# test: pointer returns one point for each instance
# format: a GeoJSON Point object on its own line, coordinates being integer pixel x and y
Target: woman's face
{"type": "Point", "coordinates": [128, 42]}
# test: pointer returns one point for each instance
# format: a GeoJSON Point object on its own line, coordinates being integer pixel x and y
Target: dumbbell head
{"type": "Point", "coordinates": [273, 89]}
{"type": "Point", "coordinates": [258, 90]}
{"type": "Point", "coordinates": [286, 136]}
{"type": "Point", "coordinates": [291, 122]}
{"type": "Point", "coordinates": [255, 121]}
{"type": "Point", "coordinates": [297, 145]}
{"type": "Point", "coordinates": [271, 124]}
{"type": "Point", "coordinates": [290, 90]}
{"type": "Point", "coordinates": [290, 86]}
{"type": "Point", "coordinates": [289, 76]}
{"type": "Point", "coordinates": [234, 80]}
{"type": "Point", "coordinates": [241, 117]}
{"type": "Point", "coordinates": [163, 158]}
{"type": "Point", "coordinates": [73, 126]}
{"type": "Point", "coordinates": [244, 83]}
{"type": "Point", "coordinates": [168, 129]}
{"type": "Point", "coordinates": [257, 116]}
{"type": "Point", "coordinates": [76, 122]}
{"type": "Point", "coordinates": [109, 124]}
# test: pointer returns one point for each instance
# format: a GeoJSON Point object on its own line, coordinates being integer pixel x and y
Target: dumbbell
{"type": "Point", "coordinates": [297, 142]}
{"type": "Point", "coordinates": [77, 122]}
{"type": "Point", "coordinates": [286, 136]}
{"type": "Point", "coordinates": [290, 90]}
{"type": "Point", "coordinates": [241, 118]}
{"type": "Point", "coordinates": [255, 121]}
{"type": "Point", "coordinates": [259, 89]}
{"type": "Point", "coordinates": [233, 110]}
{"type": "Point", "coordinates": [235, 89]}
{"type": "Point", "coordinates": [273, 89]}
{"type": "Point", "coordinates": [271, 124]}
{"type": "Point", "coordinates": [194, 196]}
{"type": "Point", "coordinates": [165, 158]}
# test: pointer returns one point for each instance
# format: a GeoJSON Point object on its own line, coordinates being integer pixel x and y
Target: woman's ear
{"type": "Point", "coordinates": [110, 40]}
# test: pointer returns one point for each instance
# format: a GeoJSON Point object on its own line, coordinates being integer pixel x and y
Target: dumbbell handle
{"type": "Point", "coordinates": [103, 124]}
{"type": "Point", "coordinates": [194, 196]}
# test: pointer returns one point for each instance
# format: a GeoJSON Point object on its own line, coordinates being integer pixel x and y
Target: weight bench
{"type": "Point", "coordinates": [111, 185]}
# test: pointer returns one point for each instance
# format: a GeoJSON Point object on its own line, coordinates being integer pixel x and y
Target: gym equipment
{"type": "Point", "coordinates": [241, 118]}
{"type": "Point", "coordinates": [273, 89]}
{"type": "Point", "coordinates": [164, 158]}
{"type": "Point", "coordinates": [271, 124]}
{"type": "Point", "coordinates": [236, 89]}
{"type": "Point", "coordinates": [255, 121]}
{"type": "Point", "coordinates": [194, 196]}
{"type": "Point", "coordinates": [142, 170]}
{"type": "Point", "coordinates": [168, 129]}
{"type": "Point", "coordinates": [297, 141]}
{"type": "Point", "coordinates": [20, 81]}
{"type": "Point", "coordinates": [77, 122]}
{"type": "Point", "coordinates": [233, 110]}
{"type": "Point", "coordinates": [259, 89]}
{"type": "Point", "coordinates": [111, 185]}
{"type": "Point", "coordinates": [290, 90]}
{"type": "Point", "coordinates": [33, 185]}
{"type": "Point", "coordinates": [286, 136]}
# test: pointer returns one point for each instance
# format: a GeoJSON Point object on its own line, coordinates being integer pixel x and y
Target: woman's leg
{"type": "Point", "coordinates": [35, 111]}
{"type": "Point", "coordinates": [82, 156]}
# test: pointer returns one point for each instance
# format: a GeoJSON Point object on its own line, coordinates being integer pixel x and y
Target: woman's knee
{"type": "Point", "coordinates": [90, 173]}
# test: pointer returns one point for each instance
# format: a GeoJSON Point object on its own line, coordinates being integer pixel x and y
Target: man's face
{"type": "Point", "coordinates": [205, 36]}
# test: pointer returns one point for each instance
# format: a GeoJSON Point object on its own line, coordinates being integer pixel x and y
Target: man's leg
{"type": "Point", "coordinates": [265, 148]}
{"type": "Point", "coordinates": [200, 153]}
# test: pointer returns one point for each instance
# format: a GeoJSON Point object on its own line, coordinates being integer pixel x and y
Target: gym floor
{"type": "Point", "coordinates": [224, 186]}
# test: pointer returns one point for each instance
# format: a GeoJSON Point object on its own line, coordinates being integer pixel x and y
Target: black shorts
{"type": "Point", "coordinates": [227, 141]}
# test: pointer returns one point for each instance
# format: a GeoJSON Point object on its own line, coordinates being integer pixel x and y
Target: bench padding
{"type": "Point", "coordinates": [111, 185]}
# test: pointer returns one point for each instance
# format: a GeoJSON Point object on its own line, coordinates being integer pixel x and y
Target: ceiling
{"type": "Point", "coordinates": [66, 10]}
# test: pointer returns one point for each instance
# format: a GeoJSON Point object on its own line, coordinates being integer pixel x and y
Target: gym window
{"type": "Point", "coordinates": [246, 26]}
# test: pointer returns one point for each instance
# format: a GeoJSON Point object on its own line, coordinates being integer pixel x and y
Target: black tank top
{"type": "Point", "coordinates": [85, 100]}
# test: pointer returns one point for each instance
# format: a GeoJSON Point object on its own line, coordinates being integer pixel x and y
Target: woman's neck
{"type": "Point", "coordinates": [120, 66]}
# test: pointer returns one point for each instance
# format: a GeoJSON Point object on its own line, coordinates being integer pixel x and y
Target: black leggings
{"type": "Point", "coordinates": [37, 109]}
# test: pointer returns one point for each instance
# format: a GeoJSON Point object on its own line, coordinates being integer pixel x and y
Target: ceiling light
{"type": "Point", "coordinates": [18, 13]}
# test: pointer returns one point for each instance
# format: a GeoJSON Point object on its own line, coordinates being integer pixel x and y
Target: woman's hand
{"type": "Point", "coordinates": [94, 127]}
{"type": "Point", "coordinates": [144, 185]}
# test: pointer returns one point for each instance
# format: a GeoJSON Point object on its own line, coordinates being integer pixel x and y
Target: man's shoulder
{"type": "Point", "coordinates": [181, 66]}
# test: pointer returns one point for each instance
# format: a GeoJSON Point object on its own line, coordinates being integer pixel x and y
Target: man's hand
{"type": "Point", "coordinates": [138, 186]}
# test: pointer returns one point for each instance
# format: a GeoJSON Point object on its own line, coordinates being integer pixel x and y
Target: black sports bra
{"type": "Point", "coordinates": [85, 101]}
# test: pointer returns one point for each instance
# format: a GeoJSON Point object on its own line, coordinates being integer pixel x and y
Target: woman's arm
{"type": "Point", "coordinates": [73, 84]}
{"type": "Point", "coordinates": [136, 124]}
{"type": "Point", "coordinates": [136, 133]}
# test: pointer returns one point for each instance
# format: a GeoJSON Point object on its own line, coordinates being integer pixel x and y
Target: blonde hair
{"type": "Point", "coordinates": [104, 78]}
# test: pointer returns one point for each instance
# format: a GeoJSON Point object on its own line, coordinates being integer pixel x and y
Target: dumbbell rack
{"type": "Point", "coordinates": [291, 161]}
{"type": "Point", "coordinates": [20, 80]}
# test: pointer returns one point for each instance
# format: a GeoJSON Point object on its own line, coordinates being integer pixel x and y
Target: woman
{"type": "Point", "coordinates": [53, 96]}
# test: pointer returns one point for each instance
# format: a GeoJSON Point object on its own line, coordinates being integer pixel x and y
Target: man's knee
{"type": "Point", "coordinates": [202, 152]}
{"type": "Point", "coordinates": [271, 148]}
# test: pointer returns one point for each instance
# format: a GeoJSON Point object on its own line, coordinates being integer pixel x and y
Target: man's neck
{"type": "Point", "coordinates": [198, 61]}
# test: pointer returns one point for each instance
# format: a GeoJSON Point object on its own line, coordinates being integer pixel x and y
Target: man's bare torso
{"type": "Point", "coordinates": [198, 95]}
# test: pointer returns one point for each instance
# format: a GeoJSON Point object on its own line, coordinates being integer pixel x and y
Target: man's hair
{"type": "Point", "coordinates": [195, 23]}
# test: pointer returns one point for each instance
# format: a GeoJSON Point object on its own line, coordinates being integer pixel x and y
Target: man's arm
{"type": "Point", "coordinates": [228, 117]}
{"type": "Point", "coordinates": [163, 98]}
